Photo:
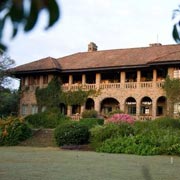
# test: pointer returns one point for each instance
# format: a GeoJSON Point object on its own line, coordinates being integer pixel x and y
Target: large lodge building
{"type": "Point", "coordinates": [129, 79]}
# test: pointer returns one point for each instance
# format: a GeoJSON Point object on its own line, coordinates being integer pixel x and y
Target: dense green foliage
{"type": "Point", "coordinates": [8, 102]}
{"type": "Point", "coordinates": [72, 133]}
{"type": "Point", "coordinates": [49, 97]}
{"type": "Point", "coordinates": [78, 97]}
{"type": "Point", "coordinates": [172, 89]}
{"type": "Point", "coordinates": [161, 136]}
{"type": "Point", "coordinates": [101, 133]}
{"type": "Point", "coordinates": [16, 131]}
{"type": "Point", "coordinates": [91, 122]}
{"type": "Point", "coordinates": [47, 119]}
{"type": "Point", "coordinates": [90, 114]}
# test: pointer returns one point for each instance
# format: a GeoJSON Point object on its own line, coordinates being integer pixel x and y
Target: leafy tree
{"type": "Point", "coordinates": [8, 102]}
{"type": "Point", "coordinates": [5, 63]}
{"type": "Point", "coordinates": [176, 26]}
{"type": "Point", "coordinates": [25, 14]}
{"type": "Point", "coordinates": [172, 89]}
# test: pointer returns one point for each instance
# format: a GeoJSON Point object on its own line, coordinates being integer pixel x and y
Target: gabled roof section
{"type": "Point", "coordinates": [121, 57]}
{"type": "Point", "coordinates": [44, 64]}
{"type": "Point", "coordinates": [117, 58]}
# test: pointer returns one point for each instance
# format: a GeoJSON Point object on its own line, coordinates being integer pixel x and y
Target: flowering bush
{"type": "Point", "coordinates": [121, 118]}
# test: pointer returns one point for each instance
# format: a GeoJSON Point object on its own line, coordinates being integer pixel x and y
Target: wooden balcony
{"type": "Point", "coordinates": [127, 85]}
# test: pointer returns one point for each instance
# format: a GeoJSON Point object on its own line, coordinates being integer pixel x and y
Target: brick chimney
{"type": "Point", "coordinates": [92, 47]}
{"type": "Point", "coordinates": [155, 44]}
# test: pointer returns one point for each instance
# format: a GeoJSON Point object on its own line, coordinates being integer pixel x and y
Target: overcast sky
{"type": "Point", "coordinates": [111, 24]}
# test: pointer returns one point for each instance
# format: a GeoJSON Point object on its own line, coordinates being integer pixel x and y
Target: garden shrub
{"type": "Point", "coordinates": [91, 122]}
{"type": "Point", "coordinates": [167, 122]}
{"type": "Point", "coordinates": [121, 118]}
{"type": "Point", "coordinates": [16, 132]}
{"type": "Point", "coordinates": [90, 114]}
{"type": "Point", "coordinates": [72, 133]}
{"type": "Point", "coordinates": [153, 142]}
{"type": "Point", "coordinates": [101, 133]}
{"type": "Point", "coordinates": [47, 119]}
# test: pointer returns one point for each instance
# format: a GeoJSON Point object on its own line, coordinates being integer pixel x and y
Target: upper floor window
{"type": "Point", "coordinates": [24, 81]}
{"type": "Point", "coordinates": [77, 79]}
{"type": "Point", "coordinates": [177, 72]}
{"type": "Point", "coordinates": [34, 80]}
{"type": "Point", "coordinates": [45, 79]}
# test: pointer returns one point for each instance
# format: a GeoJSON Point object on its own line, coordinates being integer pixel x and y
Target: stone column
{"type": "Point", "coordinates": [138, 78]}
{"type": "Point", "coordinates": [122, 106]}
{"type": "Point", "coordinates": [171, 72]}
{"type": "Point", "coordinates": [97, 106]}
{"type": "Point", "coordinates": [70, 81]}
{"type": "Point", "coordinates": [123, 79]}
{"type": "Point", "coordinates": [40, 81]}
{"type": "Point", "coordinates": [98, 80]}
{"type": "Point", "coordinates": [82, 109]}
{"type": "Point", "coordinates": [69, 110]}
{"type": "Point", "coordinates": [154, 108]}
{"type": "Point", "coordinates": [83, 79]}
{"type": "Point", "coordinates": [138, 109]}
{"type": "Point", "coordinates": [154, 77]}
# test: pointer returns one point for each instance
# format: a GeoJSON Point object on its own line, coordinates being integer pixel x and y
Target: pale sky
{"type": "Point", "coordinates": [111, 24]}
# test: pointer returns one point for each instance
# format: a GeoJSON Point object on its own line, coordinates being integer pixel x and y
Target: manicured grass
{"type": "Point", "coordinates": [30, 163]}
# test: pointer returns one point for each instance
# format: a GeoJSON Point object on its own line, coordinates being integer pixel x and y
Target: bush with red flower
{"type": "Point", "coordinates": [121, 118]}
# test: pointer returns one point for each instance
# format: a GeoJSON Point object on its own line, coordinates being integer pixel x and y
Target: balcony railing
{"type": "Point", "coordinates": [127, 85]}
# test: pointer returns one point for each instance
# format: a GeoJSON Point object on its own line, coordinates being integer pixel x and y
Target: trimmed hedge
{"type": "Point", "coordinates": [72, 133]}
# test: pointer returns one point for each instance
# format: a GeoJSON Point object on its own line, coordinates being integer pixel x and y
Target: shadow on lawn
{"type": "Point", "coordinates": [146, 173]}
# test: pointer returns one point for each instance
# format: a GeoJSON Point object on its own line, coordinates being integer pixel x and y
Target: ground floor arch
{"type": "Point", "coordinates": [76, 109]}
{"type": "Point", "coordinates": [89, 104]}
{"type": "Point", "coordinates": [108, 105]}
{"type": "Point", "coordinates": [130, 106]}
{"type": "Point", "coordinates": [63, 108]}
{"type": "Point", "coordinates": [161, 106]}
{"type": "Point", "coordinates": [146, 106]}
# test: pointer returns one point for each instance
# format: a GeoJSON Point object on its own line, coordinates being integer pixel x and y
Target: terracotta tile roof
{"type": "Point", "coordinates": [107, 58]}
{"type": "Point", "coordinates": [121, 57]}
{"type": "Point", "coordinates": [47, 63]}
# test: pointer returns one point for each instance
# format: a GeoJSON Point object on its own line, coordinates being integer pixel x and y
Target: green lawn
{"type": "Point", "coordinates": [30, 163]}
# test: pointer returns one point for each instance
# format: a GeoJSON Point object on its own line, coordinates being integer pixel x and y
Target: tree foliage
{"type": "Point", "coordinates": [8, 102]}
{"type": "Point", "coordinates": [176, 26]}
{"type": "Point", "coordinates": [25, 14]}
{"type": "Point", "coordinates": [5, 63]}
{"type": "Point", "coordinates": [172, 89]}
{"type": "Point", "coordinates": [52, 95]}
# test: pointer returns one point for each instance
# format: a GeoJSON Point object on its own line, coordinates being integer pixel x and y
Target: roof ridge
{"type": "Point", "coordinates": [55, 62]}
